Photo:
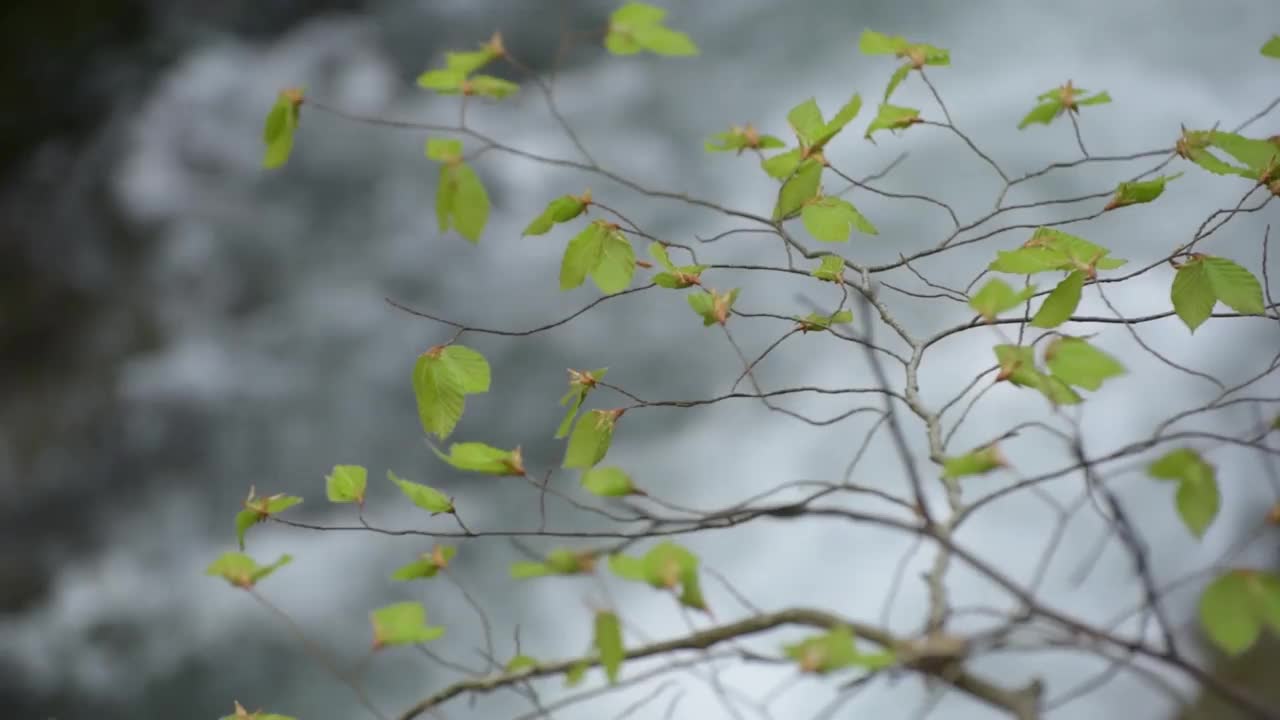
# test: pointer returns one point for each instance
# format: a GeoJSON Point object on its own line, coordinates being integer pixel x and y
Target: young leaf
{"type": "Point", "coordinates": [608, 482]}
{"type": "Point", "coordinates": [575, 673]}
{"type": "Point", "coordinates": [782, 165]}
{"type": "Point", "coordinates": [479, 457]}
{"type": "Point", "coordinates": [815, 321]}
{"type": "Point", "coordinates": [243, 571]}
{"type": "Point", "coordinates": [489, 86]}
{"type": "Point", "coordinates": [638, 26]}
{"type": "Point", "coordinates": [1197, 495]}
{"type": "Point", "coordinates": [520, 662]}
{"type": "Point", "coordinates": [428, 565]}
{"type": "Point", "coordinates": [825, 653]}
{"type": "Point", "coordinates": [843, 117]}
{"type": "Point", "coordinates": [831, 219]}
{"type": "Point", "coordinates": [279, 126]}
{"type": "Point", "coordinates": [628, 567]}
{"type": "Point", "coordinates": [562, 209]}
{"type": "Point", "coordinates": [1235, 286]}
{"type": "Point", "coordinates": [893, 117]}
{"type": "Point", "coordinates": [608, 641]}
{"type": "Point", "coordinates": [616, 265]}
{"type": "Point", "coordinates": [1043, 114]}
{"type": "Point", "coordinates": [742, 138]}
{"type": "Point", "coordinates": [996, 297]}
{"type": "Point", "coordinates": [895, 80]}
{"type": "Point", "coordinates": [1271, 48]}
{"type": "Point", "coordinates": [590, 439]}
{"type": "Point", "coordinates": [799, 188]}
{"type": "Point", "coordinates": [580, 383]}
{"type": "Point", "coordinates": [1192, 295]}
{"type": "Point", "coordinates": [977, 462]}
{"type": "Point", "coordinates": [470, 203]}
{"type": "Point", "coordinates": [467, 367]}
{"type": "Point", "coordinates": [1061, 303]}
{"type": "Point", "coordinates": [1075, 362]}
{"type": "Point", "coordinates": [1129, 193]}
{"type": "Point", "coordinates": [258, 509]}
{"type": "Point", "coordinates": [830, 268]}
{"type": "Point", "coordinates": [1259, 156]}
{"type": "Point", "coordinates": [1228, 613]}
{"type": "Point", "coordinates": [424, 496]}
{"type": "Point", "coordinates": [446, 82]}
{"type": "Point", "coordinates": [806, 122]}
{"type": "Point", "coordinates": [443, 150]}
{"type": "Point", "coordinates": [582, 255]}
{"type": "Point", "coordinates": [402, 623]}
{"type": "Point", "coordinates": [875, 43]}
{"type": "Point", "coordinates": [346, 484]}
{"type": "Point", "coordinates": [713, 306]}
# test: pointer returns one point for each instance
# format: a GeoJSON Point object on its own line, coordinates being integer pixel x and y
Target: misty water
{"type": "Point", "coordinates": [240, 337]}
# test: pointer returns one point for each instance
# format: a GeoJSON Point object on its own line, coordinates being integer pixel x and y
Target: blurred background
{"type": "Point", "coordinates": [177, 325]}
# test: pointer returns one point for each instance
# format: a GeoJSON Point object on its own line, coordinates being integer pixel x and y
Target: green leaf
{"type": "Point", "coordinates": [1192, 294]}
{"type": "Point", "coordinates": [1017, 365]}
{"type": "Point", "coordinates": [439, 394]}
{"type": "Point", "coordinates": [243, 571]}
{"type": "Point", "coordinates": [470, 203]}
{"type": "Point", "coordinates": [446, 192]}
{"type": "Point", "coordinates": [490, 86]}
{"type": "Point", "coordinates": [402, 623]}
{"type": "Point", "coordinates": [524, 570]}
{"type": "Point", "coordinates": [562, 209]}
{"type": "Point", "coordinates": [469, 62]}
{"type": "Point", "coordinates": [582, 255]}
{"type": "Point", "coordinates": [843, 117]}
{"type": "Point", "coordinates": [1075, 362]}
{"type": "Point", "coordinates": [1235, 286]}
{"type": "Point", "coordinates": [468, 368]}
{"type": "Point", "coordinates": [575, 673]}
{"type": "Point", "coordinates": [1061, 303]}
{"type": "Point", "coordinates": [638, 26]}
{"type": "Point", "coordinates": [831, 219]}
{"type": "Point", "coordinates": [442, 377]}
{"type": "Point", "coordinates": [519, 662]}
{"type": "Point", "coordinates": [1101, 98]}
{"type": "Point", "coordinates": [443, 150]}
{"type": "Point", "coordinates": [1129, 193]}
{"type": "Point", "coordinates": [616, 264]}
{"type": "Point", "coordinates": [424, 496]}
{"type": "Point", "coordinates": [1227, 613]}
{"type": "Point", "coordinates": [608, 482]}
{"type": "Point", "coordinates": [1044, 113]}
{"type": "Point", "coordinates": [1271, 48]}
{"type": "Point", "coordinates": [893, 117]}
{"type": "Point", "coordinates": [806, 121]}
{"type": "Point", "coordinates": [1197, 497]}
{"type": "Point", "coordinates": [782, 165]}
{"type": "Point", "coordinates": [479, 457]}
{"type": "Point", "coordinates": [346, 484]}
{"type": "Point", "coordinates": [1260, 156]}
{"type": "Point", "coordinates": [713, 306]}
{"type": "Point", "coordinates": [428, 565]}
{"type": "Point", "coordinates": [1050, 249]}
{"type": "Point", "coordinates": [831, 268]}
{"type": "Point", "coordinates": [446, 82]}
{"type": "Point", "coordinates": [246, 519]}
{"type": "Point", "coordinates": [896, 79]}
{"type": "Point", "coordinates": [278, 128]}
{"type": "Point", "coordinates": [590, 439]}
{"type": "Point", "coordinates": [996, 297]}
{"type": "Point", "coordinates": [831, 651]}
{"type": "Point", "coordinates": [258, 509]}
{"type": "Point", "coordinates": [628, 567]}
{"type": "Point", "coordinates": [799, 188]}
{"type": "Point", "coordinates": [977, 462]}
{"type": "Point", "coordinates": [658, 252]}
{"type": "Point", "coordinates": [608, 641]}
{"type": "Point", "coordinates": [816, 321]}
{"type": "Point", "coordinates": [874, 43]}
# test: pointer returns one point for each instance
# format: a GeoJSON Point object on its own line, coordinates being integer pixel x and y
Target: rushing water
{"type": "Point", "coordinates": [239, 337]}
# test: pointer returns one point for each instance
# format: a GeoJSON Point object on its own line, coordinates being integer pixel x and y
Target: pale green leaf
{"type": "Point", "coordinates": [346, 484]}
